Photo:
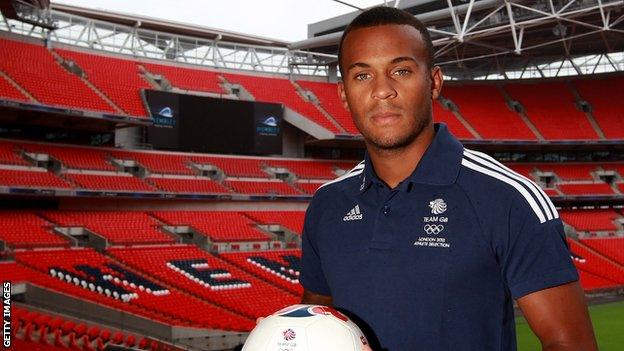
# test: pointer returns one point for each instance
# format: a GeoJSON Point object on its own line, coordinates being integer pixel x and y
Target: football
{"type": "Point", "coordinates": [306, 328]}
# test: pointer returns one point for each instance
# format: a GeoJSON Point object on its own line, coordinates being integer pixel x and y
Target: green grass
{"type": "Point", "coordinates": [608, 321]}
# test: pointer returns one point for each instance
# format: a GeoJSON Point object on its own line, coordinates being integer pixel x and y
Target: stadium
{"type": "Point", "coordinates": [154, 175]}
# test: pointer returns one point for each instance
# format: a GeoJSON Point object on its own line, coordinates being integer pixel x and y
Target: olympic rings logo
{"type": "Point", "coordinates": [433, 228]}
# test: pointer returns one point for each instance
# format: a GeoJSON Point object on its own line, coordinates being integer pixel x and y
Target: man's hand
{"type": "Point", "coordinates": [559, 318]}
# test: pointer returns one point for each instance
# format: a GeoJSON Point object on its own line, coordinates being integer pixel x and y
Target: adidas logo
{"type": "Point", "coordinates": [353, 215]}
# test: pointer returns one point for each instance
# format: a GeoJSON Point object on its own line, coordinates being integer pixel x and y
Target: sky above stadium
{"type": "Point", "coordinates": [278, 19]}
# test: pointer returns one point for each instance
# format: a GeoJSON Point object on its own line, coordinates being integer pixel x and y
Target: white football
{"type": "Point", "coordinates": [306, 328]}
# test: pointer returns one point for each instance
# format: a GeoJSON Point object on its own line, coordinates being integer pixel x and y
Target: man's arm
{"type": "Point", "coordinates": [310, 298]}
{"type": "Point", "coordinates": [559, 318]}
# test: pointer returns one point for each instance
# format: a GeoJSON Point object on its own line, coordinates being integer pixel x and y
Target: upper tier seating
{"type": "Point", "coordinates": [188, 78]}
{"type": "Point", "coordinates": [327, 93]}
{"type": "Point", "coordinates": [281, 91]}
{"type": "Point", "coordinates": [20, 229]}
{"type": "Point", "coordinates": [8, 91]}
{"type": "Point", "coordinates": [118, 78]}
{"type": "Point", "coordinates": [263, 188]}
{"type": "Point", "coordinates": [292, 220]}
{"type": "Point", "coordinates": [9, 155]}
{"type": "Point", "coordinates": [32, 178]}
{"type": "Point", "coordinates": [279, 267]}
{"type": "Point", "coordinates": [604, 96]}
{"type": "Point", "coordinates": [218, 225]}
{"type": "Point", "coordinates": [117, 182]}
{"type": "Point", "coordinates": [127, 227]}
{"type": "Point", "coordinates": [146, 296]}
{"type": "Point", "coordinates": [550, 106]}
{"type": "Point", "coordinates": [440, 114]}
{"type": "Point", "coordinates": [484, 107]}
{"type": "Point", "coordinates": [208, 278]}
{"type": "Point", "coordinates": [35, 69]}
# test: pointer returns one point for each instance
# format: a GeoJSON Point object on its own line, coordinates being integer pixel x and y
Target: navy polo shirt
{"type": "Point", "coordinates": [435, 263]}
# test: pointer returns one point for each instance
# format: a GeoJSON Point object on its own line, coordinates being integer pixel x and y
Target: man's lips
{"type": "Point", "coordinates": [385, 117]}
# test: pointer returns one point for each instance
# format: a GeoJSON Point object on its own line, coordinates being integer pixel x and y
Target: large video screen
{"type": "Point", "coordinates": [205, 124]}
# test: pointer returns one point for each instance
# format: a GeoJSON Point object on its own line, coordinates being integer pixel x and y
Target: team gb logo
{"type": "Point", "coordinates": [438, 206]}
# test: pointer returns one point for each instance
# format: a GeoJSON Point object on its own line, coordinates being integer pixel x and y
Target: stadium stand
{"type": "Point", "coordinates": [57, 269]}
{"type": "Point", "coordinates": [613, 248]}
{"type": "Point", "coordinates": [267, 187]}
{"type": "Point", "coordinates": [484, 107]}
{"type": "Point", "coordinates": [440, 114]}
{"type": "Point", "coordinates": [47, 331]}
{"type": "Point", "coordinates": [596, 264]}
{"type": "Point", "coordinates": [112, 182]}
{"type": "Point", "coordinates": [308, 187]}
{"type": "Point", "coordinates": [9, 154]}
{"type": "Point", "coordinates": [158, 162]}
{"type": "Point", "coordinates": [208, 278]}
{"type": "Point", "coordinates": [292, 220]}
{"type": "Point", "coordinates": [188, 78]}
{"type": "Point", "coordinates": [122, 84]}
{"type": "Point", "coordinates": [585, 189]}
{"type": "Point", "coordinates": [217, 225]}
{"type": "Point", "coordinates": [550, 106]}
{"type": "Point", "coordinates": [36, 71]}
{"type": "Point", "coordinates": [10, 92]}
{"type": "Point", "coordinates": [185, 185]}
{"type": "Point", "coordinates": [279, 267]}
{"type": "Point", "coordinates": [603, 99]}
{"type": "Point", "coordinates": [590, 220]}
{"type": "Point", "coordinates": [330, 101]}
{"type": "Point", "coordinates": [234, 166]}
{"type": "Point", "coordinates": [281, 91]}
{"type": "Point", "coordinates": [119, 227]}
{"type": "Point", "coordinates": [306, 169]}
{"type": "Point", "coordinates": [570, 171]}
{"type": "Point", "coordinates": [73, 157]}
{"type": "Point", "coordinates": [31, 178]}
{"type": "Point", "coordinates": [21, 229]}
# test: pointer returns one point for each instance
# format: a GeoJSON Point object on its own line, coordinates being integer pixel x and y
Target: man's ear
{"type": "Point", "coordinates": [343, 95]}
{"type": "Point", "coordinates": [437, 80]}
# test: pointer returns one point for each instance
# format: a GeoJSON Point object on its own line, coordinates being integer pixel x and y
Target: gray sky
{"type": "Point", "coordinates": [278, 19]}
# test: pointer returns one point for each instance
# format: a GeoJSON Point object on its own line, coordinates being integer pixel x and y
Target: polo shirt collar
{"type": "Point", "coordinates": [439, 165]}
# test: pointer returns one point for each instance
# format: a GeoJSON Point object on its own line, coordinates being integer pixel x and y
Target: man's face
{"type": "Point", "coordinates": [387, 85]}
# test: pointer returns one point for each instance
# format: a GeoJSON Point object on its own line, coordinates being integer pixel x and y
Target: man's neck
{"type": "Point", "coordinates": [394, 166]}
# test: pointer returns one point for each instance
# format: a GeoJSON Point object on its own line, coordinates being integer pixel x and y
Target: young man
{"type": "Point", "coordinates": [426, 243]}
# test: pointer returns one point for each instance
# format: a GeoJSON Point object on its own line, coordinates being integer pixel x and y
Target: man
{"type": "Point", "coordinates": [426, 243]}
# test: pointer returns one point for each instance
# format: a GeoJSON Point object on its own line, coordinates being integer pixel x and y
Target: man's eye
{"type": "Point", "coordinates": [361, 76]}
{"type": "Point", "coordinates": [402, 72]}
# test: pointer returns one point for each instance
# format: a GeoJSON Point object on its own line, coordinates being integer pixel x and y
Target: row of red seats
{"type": "Point", "coordinates": [23, 229]}
{"type": "Point", "coordinates": [53, 332]}
{"type": "Point", "coordinates": [591, 220]}
{"type": "Point", "coordinates": [36, 71]}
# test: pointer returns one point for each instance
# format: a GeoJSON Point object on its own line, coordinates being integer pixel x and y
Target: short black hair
{"type": "Point", "coordinates": [385, 15]}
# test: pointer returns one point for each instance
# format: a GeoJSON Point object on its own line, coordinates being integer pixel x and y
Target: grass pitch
{"type": "Point", "coordinates": [608, 321]}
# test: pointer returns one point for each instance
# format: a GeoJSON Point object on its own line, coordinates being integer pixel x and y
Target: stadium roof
{"type": "Point", "coordinates": [496, 35]}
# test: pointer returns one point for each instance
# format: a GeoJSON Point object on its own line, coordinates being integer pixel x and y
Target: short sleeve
{"type": "Point", "coordinates": [534, 255]}
{"type": "Point", "coordinates": [311, 276]}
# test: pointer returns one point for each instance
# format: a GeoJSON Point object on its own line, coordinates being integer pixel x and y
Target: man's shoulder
{"type": "Point", "coordinates": [494, 187]}
{"type": "Point", "coordinates": [347, 182]}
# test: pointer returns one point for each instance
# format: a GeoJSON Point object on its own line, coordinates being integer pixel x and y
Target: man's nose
{"type": "Point", "coordinates": [384, 89]}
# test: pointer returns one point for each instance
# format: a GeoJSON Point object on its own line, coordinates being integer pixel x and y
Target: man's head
{"type": "Point", "coordinates": [388, 77]}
